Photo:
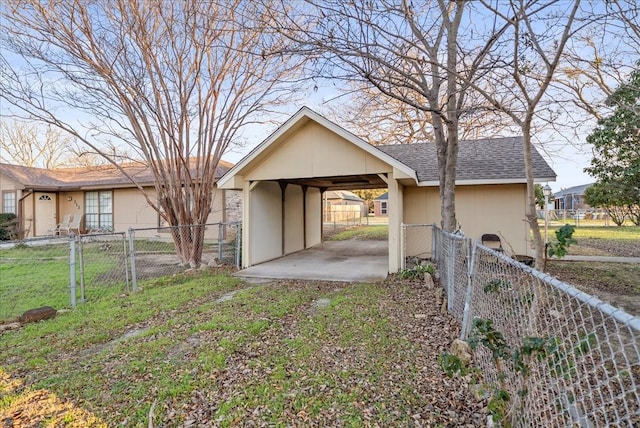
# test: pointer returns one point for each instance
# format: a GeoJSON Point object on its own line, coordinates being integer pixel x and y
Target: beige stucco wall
{"type": "Point", "coordinates": [8, 184]}
{"type": "Point", "coordinates": [265, 223]}
{"type": "Point", "coordinates": [314, 216]}
{"type": "Point", "coordinates": [498, 209]}
{"type": "Point", "coordinates": [314, 151]}
{"type": "Point", "coordinates": [293, 219]}
{"type": "Point", "coordinates": [130, 209]}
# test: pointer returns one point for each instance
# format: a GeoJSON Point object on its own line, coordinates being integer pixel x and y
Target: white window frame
{"type": "Point", "coordinates": [104, 218]}
{"type": "Point", "coordinates": [5, 198]}
{"type": "Point", "coordinates": [383, 208]}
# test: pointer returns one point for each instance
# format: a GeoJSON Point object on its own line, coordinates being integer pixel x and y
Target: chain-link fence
{"type": "Point", "coordinates": [63, 271]}
{"type": "Point", "coordinates": [551, 354]}
{"type": "Point", "coordinates": [33, 273]}
{"type": "Point", "coordinates": [98, 266]}
{"type": "Point", "coordinates": [156, 252]}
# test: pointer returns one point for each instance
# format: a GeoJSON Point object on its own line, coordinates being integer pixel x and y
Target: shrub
{"type": "Point", "coordinates": [8, 226]}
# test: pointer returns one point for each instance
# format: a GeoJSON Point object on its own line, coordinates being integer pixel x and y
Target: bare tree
{"type": "Point", "coordinates": [537, 35]}
{"type": "Point", "coordinates": [407, 51]}
{"type": "Point", "coordinates": [174, 82]}
{"type": "Point", "coordinates": [30, 144]}
{"type": "Point", "coordinates": [379, 119]}
{"type": "Point", "coordinates": [599, 59]}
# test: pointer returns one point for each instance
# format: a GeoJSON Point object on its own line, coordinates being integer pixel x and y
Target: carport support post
{"type": "Point", "coordinates": [72, 269]}
{"type": "Point", "coordinates": [395, 223]}
{"type": "Point", "coordinates": [304, 216]}
{"type": "Point", "coordinates": [322, 207]}
{"type": "Point", "coordinates": [283, 188]}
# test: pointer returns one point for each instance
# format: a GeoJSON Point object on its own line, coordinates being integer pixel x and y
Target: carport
{"type": "Point", "coordinates": [350, 261]}
{"type": "Point", "coordinates": [283, 180]}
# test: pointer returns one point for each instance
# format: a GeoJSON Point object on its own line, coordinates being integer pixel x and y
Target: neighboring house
{"type": "Point", "coordinates": [284, 178]}
{"type": "Point", "coordinates": [571, 198]}
{"type": "Point", "coordinates": [381, 205]}
{"type": "Point", "coordinates": [343, 205]}
{"type": "Point", "coordinates": [104, 197]}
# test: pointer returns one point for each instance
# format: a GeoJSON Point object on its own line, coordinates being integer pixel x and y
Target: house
{"type": "Point", "coordinates": [381, 205]}
{"type": "Point", "coordinates": [571, 198]}
{"type": "Point", "coordinates": [284, 178]}
{"type": "Point", "coordinates": [104, 197]}
{"type": "Point", "coordinates": [343, 205]}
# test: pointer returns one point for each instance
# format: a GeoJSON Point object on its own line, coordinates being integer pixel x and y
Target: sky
{"type": "Point", "coordinates": [568, 161]}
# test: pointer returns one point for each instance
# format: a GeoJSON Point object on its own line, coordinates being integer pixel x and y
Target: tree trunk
{"type": "Point", "coordinates": [530, 210]}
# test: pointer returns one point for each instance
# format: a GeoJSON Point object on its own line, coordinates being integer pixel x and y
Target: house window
{"type": "Point", "coordinates": [98, 209]}
{"type": "Point", "coordinates": [44, 198]}
{"type": "Point", "coordinates": [383, 208]}
{"type": "Point", "coordinates": [9, 202]}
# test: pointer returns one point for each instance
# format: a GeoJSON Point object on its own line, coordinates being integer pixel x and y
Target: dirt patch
{"type": "Point", "coordinates": [606, 247]}
{"type": "Point", "coordinates": [615, 283]}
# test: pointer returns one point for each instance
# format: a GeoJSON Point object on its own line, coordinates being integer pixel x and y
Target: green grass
{"type": "Point", "coordinates": [31, 277]}
{"type": "Point", "coordinates": [268, 347]}
{"type": "Point", "coordinates": [601, 232]}
{"type": "Point", "coordinates": [373, 232]}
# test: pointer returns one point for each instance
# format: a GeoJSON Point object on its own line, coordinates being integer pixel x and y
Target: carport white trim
{"type": "Point", "coordinates": [435, 183]}
{"type": "Point", "coordinates": [225, 182]}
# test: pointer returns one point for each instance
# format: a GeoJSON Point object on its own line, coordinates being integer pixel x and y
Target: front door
{"type": "Point", "coordinates": [45, 213]}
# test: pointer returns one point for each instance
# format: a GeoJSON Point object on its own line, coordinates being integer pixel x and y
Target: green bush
{"type": "Point", "coordinates": [8, 226]}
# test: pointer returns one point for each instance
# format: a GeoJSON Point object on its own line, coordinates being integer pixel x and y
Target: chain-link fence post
{"type": "Point", "coordinates": [220, 240]}
{"type": "Point", "coordinates": [132, 254]}
{"type": "Point", "coordinates": [126, 268]}
{"type": "Point", "coordinates": [451, 277]}
{"type": "Point", "coordinates": [434, 242]}
{"type": "Point", "coordinates": [81, 263]}
{"type": "Point", "coordinates": [72, 269]}
{"type": "Point", "coordinates": [403, 246]}
{"type": "Point", "coordinates": [466, 315]}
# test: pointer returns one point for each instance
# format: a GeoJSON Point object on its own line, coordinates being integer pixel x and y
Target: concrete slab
{"type": "Point", "coordinates": [348, 261]}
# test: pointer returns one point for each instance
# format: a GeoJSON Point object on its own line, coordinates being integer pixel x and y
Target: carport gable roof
{"type": "Point", "coordinates": [484, 161]}
{"type": "Point", "coordinates": [294, 122]}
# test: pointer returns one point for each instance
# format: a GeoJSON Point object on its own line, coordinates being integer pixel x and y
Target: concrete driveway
{"type": "Point", "coordinates": [349, 261]}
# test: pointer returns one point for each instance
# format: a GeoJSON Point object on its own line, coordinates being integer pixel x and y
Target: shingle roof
{"type": "Point", "coordinates": [382, 197]}
{"type": "Point", "coordinates": [575, 190]}
{"type": "Point", "coordinates": [74, 178]}
{"type": "Point", "coordinates": [343, 194]}
{"type": "Point", "coordinates": [492, 159]}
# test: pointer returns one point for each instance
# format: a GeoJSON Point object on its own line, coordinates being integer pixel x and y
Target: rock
{"type": "Point", "coordinates": [38, 314]}
{"type": "Point", "coordinates": [443, 308]}
{"type": "Point", "coordinates": [490, 423]}
{"type": "Point", "coordinates": [428, 281]}
{"type": "Point", "coordinates": [462, 350]}
{"type": "Point", "coordinates": [438, 295]}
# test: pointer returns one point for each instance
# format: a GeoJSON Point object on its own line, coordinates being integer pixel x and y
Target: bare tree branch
{"type": "Point", "coordinates": [173, 81]}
